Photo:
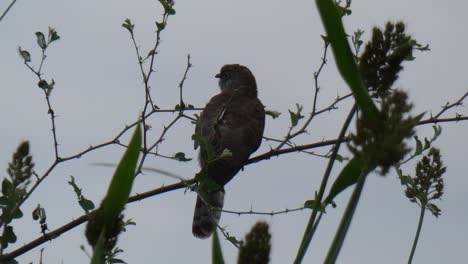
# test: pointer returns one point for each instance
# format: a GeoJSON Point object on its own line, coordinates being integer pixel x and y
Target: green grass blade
{"type": "Point", "coordinates": [347, 177]}
{"type": "Point", "coordinates": [122, 181]}
{"type": "Point", "coordinates": [217, 254]}
{"type": "Point", "coordinates": [340, 235]}
{"type": "Point", "coordinates": [98, 254]}
{"type": "Point", "coordinates": [344, 58]}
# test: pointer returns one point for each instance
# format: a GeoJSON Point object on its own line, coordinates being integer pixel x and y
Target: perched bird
{"type": "Point", "coordinates": [233, 120]}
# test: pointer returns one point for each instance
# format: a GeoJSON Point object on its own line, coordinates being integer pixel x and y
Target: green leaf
{"type": "Point", "coordinates": [167, 4]}
{"type": "Point", "coordinates": [347, 177]}
{"type": "Point", "coordinates": [17, 214]}
{"type": "Point", "coordinates": [86, 205]}
{"type": "Point", "coordinates": [7, 187]}
{"type": "Point", "coordinates": [272, 113]}
{"type": "Point", "coordinates": [53, 36]}
{"type": "Point", "coordinates": [405, 180]}
{"type": "Point", "coordinates": [311, 205]}
{"type": "Point", "coordinates": [122, 181]}
{"type": "Point", "coordinates": [433, 209]}
{"type": "Point", "coordinates": [226, 153]}
{"type": "Point", "coordinates": [339, 158]}
{"type": "Point", "coordinates": [419, 146]}
{"type": "Point", "coordinates": [25, 55]}
{"type": "Point", "coordinates": [437, 132]}
{"type": "Point", "coordinates": [160, 26]}
{"type": "Point", "coordinates": [345, 222]}
{"type": "Point", "coordinates": [128, 25]}
{"type": "Point", "coordinates": [217, 254]}
{"type": "Point", "coordinates": [171, 11]}
{"type": "Point", "coordinates": [76, 189]}
{"type": "Point", "coordinates": [180, 156]}
{"type": "Point", "coordinates": [39, 214]}
{"type": "Point", "coordinates": [8, 236]}
{"type": "Point", "coordinates": [344, 58]}
{"type": "Point", "coordinates": [296, 116]}
{"type": "Point", "coordinates": [41, 40]}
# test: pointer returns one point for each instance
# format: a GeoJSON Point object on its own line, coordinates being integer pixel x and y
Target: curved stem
{"type": "Point", "coordinates": [418, 232]}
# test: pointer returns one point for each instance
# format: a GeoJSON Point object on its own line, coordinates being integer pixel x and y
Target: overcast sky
{"type": "Point", "coordinates": [99, 90]}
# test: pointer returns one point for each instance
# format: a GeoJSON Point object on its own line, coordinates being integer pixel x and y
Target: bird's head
{"type": "Point", "coordinates": [237, 79]}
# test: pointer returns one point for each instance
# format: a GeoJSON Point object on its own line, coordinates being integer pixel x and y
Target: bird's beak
{"type": "Point", "coordinates": [218, 75]}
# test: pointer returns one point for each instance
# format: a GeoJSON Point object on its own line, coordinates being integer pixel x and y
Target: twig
{"type": "Point", "coordinates": [250, 212]}
{"type": "Point", "coordinates": [181, 84]}
{"type": "Point", "coordinates": [8, 9]}
{"type": "Point", "coordinates": [289, 136]}
{"type": "Point", "coordinates": [447, 106]}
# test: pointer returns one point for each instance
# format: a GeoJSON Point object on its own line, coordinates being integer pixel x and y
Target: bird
{"type": "Point", "coordinates": [232, 122]}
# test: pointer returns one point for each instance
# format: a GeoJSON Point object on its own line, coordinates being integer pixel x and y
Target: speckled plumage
{"type": "Point", "coordinates": [234, 120]}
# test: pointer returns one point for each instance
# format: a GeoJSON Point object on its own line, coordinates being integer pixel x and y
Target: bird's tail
{"type": "Point", "coordinates": [207, 213]}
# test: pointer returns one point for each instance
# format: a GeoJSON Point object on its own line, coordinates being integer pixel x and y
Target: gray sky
{"type": "Point", "coordinates": [99, 90]}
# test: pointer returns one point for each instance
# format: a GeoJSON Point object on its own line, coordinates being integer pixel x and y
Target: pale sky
{"type": "Point", "coordinates": [99, 90]}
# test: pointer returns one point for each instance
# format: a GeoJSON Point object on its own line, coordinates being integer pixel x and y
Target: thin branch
{"type": "Point", "coordinates": [448, 106]}
{"type": "Point", "coordinates": [181, 84]}
{"type": "Point", "coordinates": [442, 120]}
{"type": "Point", "coordinates": [8, 9]}
{"type": "Point", "coordinates": [289, 136]}
{"type": "Point", "coordinates": [250, 212]}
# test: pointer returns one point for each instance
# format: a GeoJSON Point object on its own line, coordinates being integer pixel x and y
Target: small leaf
{"type": "Point", "coordinates": [53, 36]}
{"type": "Point", "coordinates": [272, 113]}
{"type": "Point", "coordinates": [433, 209]}
{"type": "Point", "coordinates": [180, 156]}
{"type": "Point", "coordinates": [296, 116]}
{"type": "Point", "coordinates": [128, 25]}
{"type": "Point", "coordinates": [160, 26]}
{"type": "Point", "coordinates": [7, 187]}
{"type": "Point", "coordinates": [437, 131]}
{"type": "Point", "coordinates": [25, 55]}
{"type": "Point", "coordinates": [41, 40]}
{"type": "Point", "coordinates": [17, 214]}
{"type": "Point", "coordinates": [405, 180]}
{"type": "Point", "coordinates": [226, 153]}
{"type": "Point", "coordinates": [39, 214]}
{"type": "Point", "coordinates": [339, 158]}
{"type": "Point", "coordinates": [86, 204]}
{"type": "Point", "coordinates": [8, 236]}
{"type": "Point", "coordinates": [75, 187]}
{"type": "Point", "coordinates": [43, 84]}
{"type": "Point", "coordinates": [311, 205]}
{"type": "Point", "coordinates": [180, 107]}
{"type": "Point", "coordinates": [419, 146]}
{"type": "Point", "coordinates": [171, 11]}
